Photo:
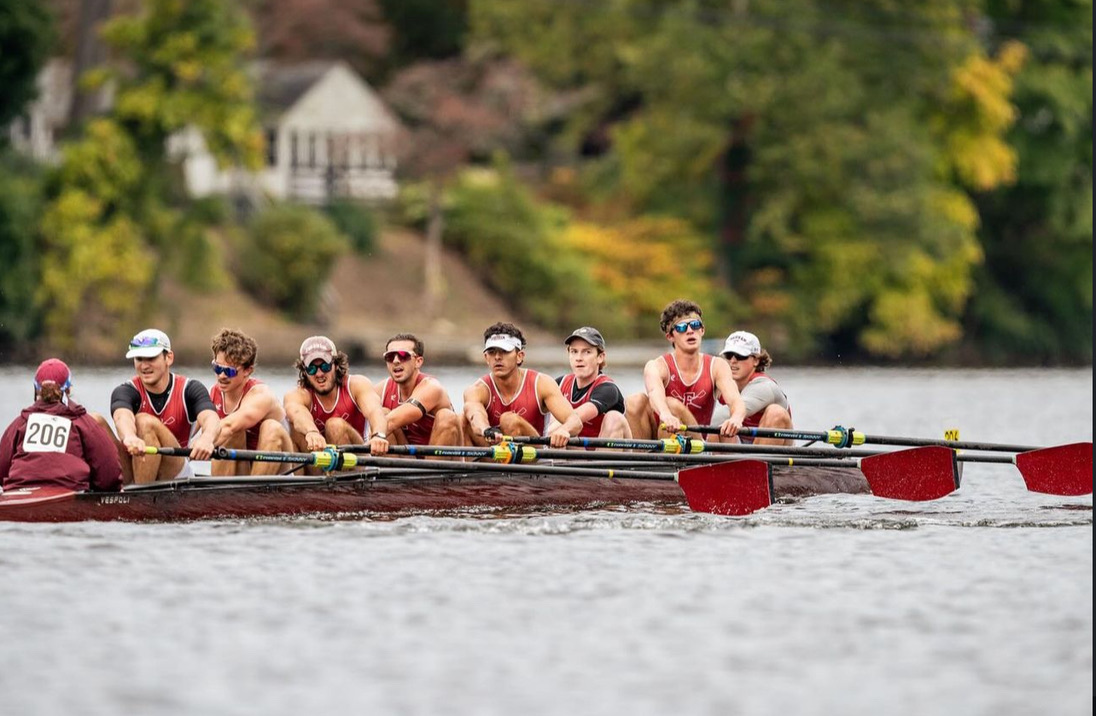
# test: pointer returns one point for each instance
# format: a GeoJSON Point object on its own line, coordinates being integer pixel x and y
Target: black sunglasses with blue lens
{"type": "Point", "coordinates": [323, 367]}
{"type": "Point", "coordinates": [682, 326]}
{"type": "Point", "coordinates": [227, 370]}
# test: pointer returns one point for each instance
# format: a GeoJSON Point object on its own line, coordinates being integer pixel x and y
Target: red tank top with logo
{"type": "Point", "coordinates": [418, 432]}
{"type": "Point", "coordinates": [592, 428]}
{"type": "Point", "coordinates": [525, 403]}
{"type": "Point", "coordinates": [173, 415]}
{"type": "Point", "coordinates": [251, 437]}
{"type": "Point", "coordinates": [344, 408]}
{"type": "Point", "coordinates": [699, 395]}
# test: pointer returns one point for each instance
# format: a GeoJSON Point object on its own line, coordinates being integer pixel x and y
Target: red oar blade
{"type": "Point", "coordinates": [736, 487]}
{"type": "Point", "coordinates": [924, 473]}
{"type": "Point", "coordinates": [1061, 470]}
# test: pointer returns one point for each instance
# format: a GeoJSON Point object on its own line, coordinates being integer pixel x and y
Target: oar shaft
{"type": "Point", "coordinates": [467, 467]}
{"type": "Point", "coordinates": [325, 459]}
{"type": "Point", "coordinates": [855, 437]}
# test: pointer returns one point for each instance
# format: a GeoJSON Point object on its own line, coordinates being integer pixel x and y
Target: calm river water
{"type": "Point", "coordinates": [979, 603]}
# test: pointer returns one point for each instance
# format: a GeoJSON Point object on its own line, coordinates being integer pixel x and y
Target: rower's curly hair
{"type": "Point", "coordinates": [764, 361]}
{"type": "Point", "coordinates": [342, 369]}
{"type": "Point", "coordinates": [677, 309]}
{"type": "Point", "coordinates": [237, 347]}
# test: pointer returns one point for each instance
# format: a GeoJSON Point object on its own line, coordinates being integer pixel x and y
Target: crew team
{"type": "Point", "coordinates": [56, 441]}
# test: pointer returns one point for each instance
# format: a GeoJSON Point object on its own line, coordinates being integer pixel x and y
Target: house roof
{"type": "Point", "coordinates": [280, 86]}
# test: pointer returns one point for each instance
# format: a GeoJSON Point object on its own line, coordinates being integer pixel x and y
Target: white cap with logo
{"type": "Point", "coordinates": [149, 343]}
{"type": "Point", "coordinates": [742, 343]}
{"type": "Point", "coordinates": [318, 347]}
{"type": "Point", "coordinates": [502, 341]}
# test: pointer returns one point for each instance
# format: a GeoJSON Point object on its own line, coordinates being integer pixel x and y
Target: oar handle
{"type": "Point", "coordinates": [327, 460]}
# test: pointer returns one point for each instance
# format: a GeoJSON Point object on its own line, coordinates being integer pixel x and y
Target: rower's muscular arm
{"type": "Point", "coordinates": [298, 413]}
{"type": "Point", "coordinates": [570, 423]}
{"type": "Point", "coordinates": [724, 382]}
{"type": "Point", "coordinates": [125, 401]}
{"type": "Point", "coordinates": [429, 394]}
{"type": "Point", "coordinates": [475, 408]}
{"type": "Point", "coordinates": [258, 403]}
{"type": "Point", "coordinates": [655, 377]}
{"type": "Point", "coordinates": [361, 388]}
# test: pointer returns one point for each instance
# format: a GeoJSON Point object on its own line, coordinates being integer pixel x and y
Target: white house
{"type": "Point", "coordinates": [328, 135]}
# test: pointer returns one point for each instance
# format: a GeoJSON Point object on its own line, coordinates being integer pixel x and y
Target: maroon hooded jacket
{"type": "Point", "coordinates": [90, 459]}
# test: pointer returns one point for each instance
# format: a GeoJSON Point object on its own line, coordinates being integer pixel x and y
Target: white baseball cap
{"type": "Point", "coordinates": [742, 343]}
{"type": "Point", "coordinates": [149, 343]}
{"type": "Point", "coordinates": [318, 348]}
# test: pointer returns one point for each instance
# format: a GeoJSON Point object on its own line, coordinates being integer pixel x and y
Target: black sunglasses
{"type": "Point", "coordinates": [323, 367]}
{"type": "Point", "coordinates": [728, 356]}
{"type": "Point", "coordinates": [682, 326]}
{"type": "Point", "coordinates": [218, 369]}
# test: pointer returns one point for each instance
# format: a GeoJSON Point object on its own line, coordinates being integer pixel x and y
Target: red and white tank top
{"type": "Point", "coordinates": [525, 402]}
{"type": "Point", "coordinates": [593, 428]}
{"type": "Point", "coordinates": [173, 415]}
{"type": "Point", "coordinates": [251, 437]}
{"type": "Point", "coordinates": [418, 432]}
{"type": "Point", "coordinates": [698, 395]}
{"type": "Point", "coordinates": [344, 408]}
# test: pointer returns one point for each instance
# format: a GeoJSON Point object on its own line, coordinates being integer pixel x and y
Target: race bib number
{"type": "Point", "coordinates": [47, 433]}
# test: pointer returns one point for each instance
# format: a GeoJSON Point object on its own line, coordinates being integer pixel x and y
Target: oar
{"type": "Point", "coordinates": [918, 474]}
{"type": "Point", "coordinates": [845, 437]}
{"type": "Point", "coordinates": [327, 460]}
{"type": "Point", "coordinates": [736, 487]}
{"type": "Point", "coordinates": [1060, 470]}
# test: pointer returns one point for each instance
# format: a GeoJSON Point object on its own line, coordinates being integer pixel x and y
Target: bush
{"type": "Point", "coordinates": [288, 257]}
{"type": "Point", "coordinates": [20, 208]}
{"type": "Point", "coordinates": [357, 222]}
{"type": "Point", "coordinates": [516, 246]}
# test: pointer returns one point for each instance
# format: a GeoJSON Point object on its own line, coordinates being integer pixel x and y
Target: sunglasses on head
{"type": "Point", "coordinates": [145, 342]}
{"type": "Point", "coordinates": [227, 370]}
{"type": "Point", "coordinates": [682, 326]}
{"type": "Point", "coordinates": [404, 356]}
{"type": "Point", "coordinates": [323, 367]}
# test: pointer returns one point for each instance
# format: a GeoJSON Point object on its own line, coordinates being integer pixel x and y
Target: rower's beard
{"type": "Point", "coordinates": [326, 392]}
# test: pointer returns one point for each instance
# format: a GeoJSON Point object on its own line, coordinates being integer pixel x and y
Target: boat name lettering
{"type": "Point", "coordinates": [114, 500]}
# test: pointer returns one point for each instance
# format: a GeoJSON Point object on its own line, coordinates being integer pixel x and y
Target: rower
{"type": "Point", "coordinates": [330, 406]}
{"type": "Point", "coordinates": [416, 404]}
{"type": "Point", "coordinates": [56, 442]}
{"type": "Point", "coordinates": [681, 386]}
{"type": "Point", "coordinates": [159, 408]}
{"type": "Point", "coordinates": [511, 400]}
{"type": "Point", "coordinates": [766, 403]}
{"type": "Point", "coordinates": [595, 397]}
{"type": "Point", "coordinates": [252, 416]}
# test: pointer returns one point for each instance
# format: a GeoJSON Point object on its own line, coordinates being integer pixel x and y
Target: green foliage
{"type": "Point", "coordinates": [26, 39]}
{"type": "Point", "coordinates": [833, 147]}
{"type": "Point", "coordinates": [20, 205]}
{"type": "Point", "coordinates": [357, 222]}
{"type": "Point", "coordinates": [517, 247]}
{"type": "Point", "coordinates": [189, 70]}
{"type": "Point", "coordinates": [1034, 297]}
{"type": "Point", "coordinates": [288, 258]}
{"type": "Point", "coordinates": [95, 262]}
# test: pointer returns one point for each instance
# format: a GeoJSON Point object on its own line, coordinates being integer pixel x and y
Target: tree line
{"type": "Point", "coordinates": [848, 178]}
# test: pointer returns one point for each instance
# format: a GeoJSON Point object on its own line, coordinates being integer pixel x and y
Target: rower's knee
{"type": "Point", "coordinates": [614, 425]}
{"type": "Point", "coordinates": [776, 417]}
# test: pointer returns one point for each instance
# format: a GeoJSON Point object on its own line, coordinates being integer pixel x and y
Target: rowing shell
{"type": "Point", "coordinates": [380, 491]}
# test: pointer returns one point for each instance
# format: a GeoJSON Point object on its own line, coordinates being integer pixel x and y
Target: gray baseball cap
{"type": "Point", "coordinates": [589, 334]}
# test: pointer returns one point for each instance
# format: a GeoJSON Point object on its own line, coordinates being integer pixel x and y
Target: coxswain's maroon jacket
{"type": "Point", "coordinates": [88, 458]}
